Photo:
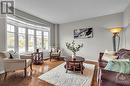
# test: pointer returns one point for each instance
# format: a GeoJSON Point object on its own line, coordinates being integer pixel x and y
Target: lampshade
{"type": "Point", "coordinates": [116, 29]}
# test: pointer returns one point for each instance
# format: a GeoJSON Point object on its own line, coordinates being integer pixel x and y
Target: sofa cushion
{"type": "Point", "coordinates": [119, 66]}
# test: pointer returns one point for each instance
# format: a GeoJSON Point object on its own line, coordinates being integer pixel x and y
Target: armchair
{"type": "Point", "coordinates": [55, 53]}
{"type": "Point", "coordinates": [15, 64]}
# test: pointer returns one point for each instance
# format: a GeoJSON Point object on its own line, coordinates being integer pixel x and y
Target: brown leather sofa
{"type": "Point", "coordinates": [110, 78]}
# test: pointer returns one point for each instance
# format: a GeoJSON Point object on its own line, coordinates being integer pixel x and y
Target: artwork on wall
{"type": "Point", "coordinates": [83, 33]}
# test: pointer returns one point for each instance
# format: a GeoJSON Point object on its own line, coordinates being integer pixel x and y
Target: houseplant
{"type": "Point", "coordinates": [73, 47]}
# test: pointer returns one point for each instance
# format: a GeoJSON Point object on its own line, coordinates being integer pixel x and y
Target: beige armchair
{"type": "Point", "coordinates": [15, 64]}
{"type": "Point", "coordinates": [55, 53]}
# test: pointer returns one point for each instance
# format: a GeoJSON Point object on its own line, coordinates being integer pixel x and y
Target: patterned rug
{"type": "Point", "coordinates": [58, 76]}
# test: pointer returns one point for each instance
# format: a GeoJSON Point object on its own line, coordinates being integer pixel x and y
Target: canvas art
{"type": "Point", "coordinates": [83, 33]}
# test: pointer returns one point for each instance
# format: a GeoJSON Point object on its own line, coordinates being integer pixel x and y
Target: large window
{"type": "Point", "coordinates": [46, 39]}
{"type": "Point", "coordinates": [38, 39]}
{"type": "Point", "coordinates": [30, 40]}
{"type": "Point", "coordinates": [10, 37]}
{"type": "Point", "coordinates": [26, 39]}
{"type": "Point", "coordinates": [21, 39]}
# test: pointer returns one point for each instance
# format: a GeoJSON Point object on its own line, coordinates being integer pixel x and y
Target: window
{"type": "Point", "coordinates": [39, 39]}
{"type": "Point", "coordinates": [10, 37]}
{"type": "Point", "coordinates": [46, 39]}
{"type": "Point", "coordinates": [21, 39]}
{"type": "Point", "coordinates": [30, 40]}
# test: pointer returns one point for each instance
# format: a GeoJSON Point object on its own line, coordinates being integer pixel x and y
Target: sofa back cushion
{"type": "Point", "coordinates": [4, 54]}
{"type": "Point", "coordinates": [120, 66]}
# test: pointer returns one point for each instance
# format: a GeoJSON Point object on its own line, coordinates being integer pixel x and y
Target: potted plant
{"type": "Point", "coordinates": [73, 47]}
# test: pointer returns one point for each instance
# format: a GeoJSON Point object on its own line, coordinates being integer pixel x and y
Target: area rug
{"type": "Point", "coordinates": [58, 76]}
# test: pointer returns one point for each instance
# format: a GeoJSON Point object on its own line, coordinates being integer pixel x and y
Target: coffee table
{"type": "Point", "coordinates": [74, 64]}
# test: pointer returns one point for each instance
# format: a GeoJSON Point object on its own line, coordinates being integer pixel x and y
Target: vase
{"type": "Point", "coordinates": [73, 55]}
{"type": "Point", "coordinates": [37, 50]}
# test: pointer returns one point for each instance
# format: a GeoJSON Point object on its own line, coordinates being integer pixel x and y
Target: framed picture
{"type": "Point", "coordinates": [83, 33]}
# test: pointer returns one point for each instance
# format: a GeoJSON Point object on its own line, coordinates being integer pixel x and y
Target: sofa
{"type": "Point", "coordinates": [111, 78]}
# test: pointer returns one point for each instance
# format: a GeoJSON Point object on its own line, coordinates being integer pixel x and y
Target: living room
{"type": "Point", "coordinates": [42, 42]}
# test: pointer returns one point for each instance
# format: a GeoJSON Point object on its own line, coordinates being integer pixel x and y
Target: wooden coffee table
{"type": "Point", "coordinates": [74, 64]}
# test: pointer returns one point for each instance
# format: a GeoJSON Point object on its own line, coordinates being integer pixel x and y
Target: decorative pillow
{"type": "Point", "coordinates": [109, 52]}
{"type": "Point", "coordinates": [119, 66]}
{"type": "Point", "coordinates": [109, 55]}
{"type": "Point", "coordinates": [125, 56]}
{"type": "Point", "coordinates": [121, 53]}
{"type": "Point", "coordinates": [14, 55]}
{"type": "Point", "coordinates": [54, 50]}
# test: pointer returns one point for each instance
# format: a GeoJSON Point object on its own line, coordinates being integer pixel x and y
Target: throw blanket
{"type": "Point", "coordinates": [119, 66]}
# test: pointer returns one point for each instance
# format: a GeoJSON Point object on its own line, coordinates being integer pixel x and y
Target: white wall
{"type": "Point", "coordinates": [126, 17]}
{"type": "Point", "coordinates": [2, 32]}
{"type": "Point", "coordinates": [92, 46]}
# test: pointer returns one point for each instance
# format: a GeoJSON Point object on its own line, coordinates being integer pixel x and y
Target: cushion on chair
{"type": "Point", "coordinates": [54, 54]}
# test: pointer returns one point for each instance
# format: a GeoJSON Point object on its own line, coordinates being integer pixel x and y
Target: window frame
{"type": "Point", "coordinates": [16, 37]}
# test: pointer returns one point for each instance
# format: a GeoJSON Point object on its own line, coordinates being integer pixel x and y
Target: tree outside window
{"type": "Point", "coordinates": [10, 37]}
{"type": "Point", "coordinates": [22, 38]}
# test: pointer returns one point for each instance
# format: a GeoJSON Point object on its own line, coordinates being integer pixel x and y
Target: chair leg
{"type": "Point", "coordinates": [25, 72]}
{"type": "Point", "coordinates": [50, 58]}
{"type": "Point", "coordinates": [31, 67]}
{"type": "Point", "coordinates": [5, 76]}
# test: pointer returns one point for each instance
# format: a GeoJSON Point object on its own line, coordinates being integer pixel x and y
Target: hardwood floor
{"type": "Point", "coordinates": [17, 78]}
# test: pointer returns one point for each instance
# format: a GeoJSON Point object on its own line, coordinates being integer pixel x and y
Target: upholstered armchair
{"type": "Point", "coordinates": [55, 53]}
{"type": "Point", "coordinates": [15, 64]}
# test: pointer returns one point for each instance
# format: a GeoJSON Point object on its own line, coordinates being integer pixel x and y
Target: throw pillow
{"type": "Point", "coordinates": [119, 66]}
{"type": "Point", "coordinates": [14, 55]}
{"type": "Point", "coordinates": [109, 55]}
{"type": "Point", "coordinates": [121, 53]}
{"type": "Point", "coordinates": [109, 52]}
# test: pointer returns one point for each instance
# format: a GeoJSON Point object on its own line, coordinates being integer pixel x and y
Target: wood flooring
{"type": "Point", "coordinates": [17, 78]}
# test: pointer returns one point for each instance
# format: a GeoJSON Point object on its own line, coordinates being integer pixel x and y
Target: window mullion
{"type": "Point", "coordinates": [35, 40]}
{"type": "Point", "coordinates": [42, 40]}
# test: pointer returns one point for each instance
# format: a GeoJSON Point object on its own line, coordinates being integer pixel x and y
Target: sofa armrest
{"type": "Point", "coordinates": [100, 57]}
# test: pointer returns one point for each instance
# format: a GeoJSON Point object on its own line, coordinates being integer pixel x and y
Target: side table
{"type": "Point", "coordinates": [37, 57]}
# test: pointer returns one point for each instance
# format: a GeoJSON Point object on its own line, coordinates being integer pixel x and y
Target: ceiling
{"type": "Point", "coordinates": [64, 11]}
